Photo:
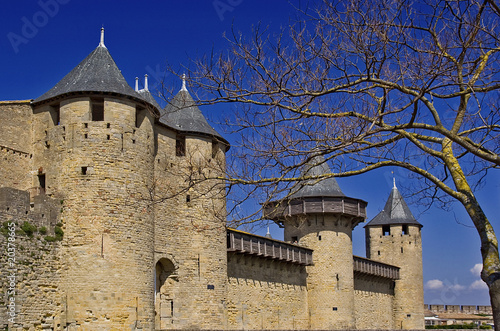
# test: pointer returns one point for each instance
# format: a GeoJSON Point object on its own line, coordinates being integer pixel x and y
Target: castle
{"type": "Point", "coordinates": [113, 219]}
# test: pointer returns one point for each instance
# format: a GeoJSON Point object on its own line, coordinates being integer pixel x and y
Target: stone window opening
{"type": "Point", "coordinates": [138, 116]}
{"type": "Point", "coordinates": [386, 230]}
{"type": "Point", "coordinates": [405, 229]}
{"type": "Point", "coordinates": [56, 113]}
{"type": "Point", "coordinates": [84, 170]}
{"type": "Point", "coordinates": [180, 146]}
{"type": "Point", "coordinates": [97, 106]}
{"type": "Point", "coordinates": [215, 147]}
{"type": "Point", "coordinates": [41, 183]}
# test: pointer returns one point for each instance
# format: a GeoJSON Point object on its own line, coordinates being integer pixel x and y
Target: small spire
{"type": "Point", "coordinates": [102, 38]}
{"type": "Point", "coordinates": [146, 82]}
{"type": "Point", "coordinates": [268, 234]}
{"type": "Point", "coordinates": [393, 180]}
{"type": "Point", "coordinates": [136, 84]}
{"type": "Point", "coordinates": [184, 83]}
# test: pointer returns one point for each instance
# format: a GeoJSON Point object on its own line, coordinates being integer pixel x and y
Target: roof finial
{"type": "Point", "coordinates": [146, 82]}
{"type": "Point", "coordinates": [102, 38]}
{"type": "Point", "coordinates": [184, 83]}
{"type": "Point", "coordinates": [136, 84]}
{"type": "Point", "coordinates": [393, 180]}
{"type": "Point", "coordinates": [268, 234]}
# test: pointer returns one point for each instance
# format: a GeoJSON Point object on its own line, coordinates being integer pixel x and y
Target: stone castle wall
{"type": "Point", "coordinates": [15, 144]}
{"type": "Point", "coordinates": [266, 294]}
{"type": "Point", "coordinates": [31, 265]}
{"type": "Point", "coordinates": [373, 302]}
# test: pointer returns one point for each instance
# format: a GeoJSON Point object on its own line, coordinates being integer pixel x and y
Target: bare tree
{"type": "Point", "coordinates": [369, 84]}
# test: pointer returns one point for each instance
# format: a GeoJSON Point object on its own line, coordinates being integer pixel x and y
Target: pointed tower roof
{"type": "Point", "coordinates": [316, 196]}
{"type": "Point", "coordinates": [327, 187]}
{"type": "Point", "coordinates": [396, 211]}
{"type": "Point", "coordinates": [97, 73]}
{"type": "Point", "coordinates": [183, 115]}
{"type": "Point", "coordinates": [144, 93]}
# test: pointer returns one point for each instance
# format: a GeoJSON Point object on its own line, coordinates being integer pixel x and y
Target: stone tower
{"type": "Point", "coordinates": [320, 217]}
{"type": "Point", "coordinates": [94, 150]}
{"type": "Point", "coordinates": [190, 232]}
{"type": "Point", "coordinates": [393, 237]}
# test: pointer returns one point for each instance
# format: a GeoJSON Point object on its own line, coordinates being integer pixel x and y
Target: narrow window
{"type": "Point", "coordinates": [401, 250]}
{"type": "Point", "coordinates": [139, 117]}
{"type": "Point", "coordinates": [41, 183]}
{"type": "Point", "coordinates": [215, 147]}
{"type": "Point", "coordinates": [188, 198]}
{"type": "Point", "coordinates": [84, 170]}
{"type": "Point", "coordinates": [98, 109]}
{"type": "Point", "coordinates": [378, 252]}
{"type": "Point", "coordinates": [180, 146]}
{"type": "Point", "coordinates": [405, 229]}
{"type": "Point", "coordinates": [56, 115]}
{"type": "Point", "coordinates": [386, 230]}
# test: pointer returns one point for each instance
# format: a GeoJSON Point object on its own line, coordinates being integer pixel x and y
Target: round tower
{"type": "Point", "coordinates": [190, 226]}
{"type": "Point", "coordinates": [320, 217]}
{"type": "Point", "coordinates": [96, 156]}
{"type": "Point", "coordinates": [394, 237]}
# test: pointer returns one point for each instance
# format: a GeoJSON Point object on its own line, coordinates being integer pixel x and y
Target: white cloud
{"type": "Point", "coordinates": [478, 285]}
{"type": "Point", "coordinates": [434, 284]}
{"type": "Point", "coordinates": [456, 287]}
{"type": "Point", "coordinates": [476, 270]}
{"type": "Point", "coordinates": [439, 285]}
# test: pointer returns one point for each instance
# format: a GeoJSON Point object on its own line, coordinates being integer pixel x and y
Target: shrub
{"type": "Point", "coordinates": [43, 230]}
{"type": "Point", "coordinates": [59, 232]}
{"type": "Point", "coordinates": [50, 239]}
{"type": "Point", "coordinates": [28, 228]}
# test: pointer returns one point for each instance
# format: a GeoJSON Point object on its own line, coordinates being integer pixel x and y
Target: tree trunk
{"type": "Point", "coordinates": [489, 243]}
{"type": "Point", "coordinates": [495, 301]}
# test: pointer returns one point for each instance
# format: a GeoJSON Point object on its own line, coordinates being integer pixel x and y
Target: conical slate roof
{"type": "Point", "coordinates": [327, 187]}
{"type": "Point", "coordinates": [148, 97]}
{"type": "Point", "coordinates": [396, 211]}
{"type": "Point", "coordinates": [183, 115]}
{"type": "Point", "coordinates": [97, 73]}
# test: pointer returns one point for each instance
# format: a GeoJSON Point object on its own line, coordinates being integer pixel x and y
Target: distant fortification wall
{"type": "Point", "coordinates": [266, 294]}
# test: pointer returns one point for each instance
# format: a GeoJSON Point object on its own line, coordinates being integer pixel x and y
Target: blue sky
{"type": "Point", "coordinates": [41, 41]}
